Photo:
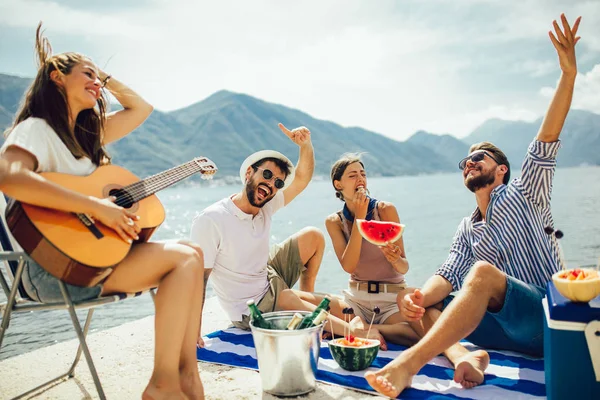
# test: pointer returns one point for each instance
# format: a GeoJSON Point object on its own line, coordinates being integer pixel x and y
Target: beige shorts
{"type": "Point", "coordinates": [283, 271]}
{"type": "Point", "coordinates": [363, 304]}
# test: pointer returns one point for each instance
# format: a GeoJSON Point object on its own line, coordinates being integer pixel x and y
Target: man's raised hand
{"type": "Point", "coordinates": [300, 136]}
{"type": "Point", "coordinates": [564, 42]}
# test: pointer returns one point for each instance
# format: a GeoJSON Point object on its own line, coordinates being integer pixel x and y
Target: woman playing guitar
{"type": "Point", "coordinates": [62, 127]}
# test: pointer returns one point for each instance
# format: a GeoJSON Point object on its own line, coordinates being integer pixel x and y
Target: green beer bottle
{"type": "Point", "coordinates": [308, 321]}
{"type": "Point", "coordinates": [257, 319]}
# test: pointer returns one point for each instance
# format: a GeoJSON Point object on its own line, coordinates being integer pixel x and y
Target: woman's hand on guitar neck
{"type": "Point", "coordinates": [117, 218]}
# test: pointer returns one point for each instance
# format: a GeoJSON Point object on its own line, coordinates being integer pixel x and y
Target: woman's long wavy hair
{"type": "Point", "coordinates": [46, 100]}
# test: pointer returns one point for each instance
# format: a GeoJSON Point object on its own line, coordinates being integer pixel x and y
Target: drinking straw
{"type": "Point", "coordinates": [561, 253]}
{"type": "Point", "coordinates": [376, 311]}
{"type": "Point", "coordinates": [559, 235]}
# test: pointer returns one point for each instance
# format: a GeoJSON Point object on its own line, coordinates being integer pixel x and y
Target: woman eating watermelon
{"type": "Point", "coordinates": [376, 270]}
{"type": "Point", "coordinates": [377, 265]}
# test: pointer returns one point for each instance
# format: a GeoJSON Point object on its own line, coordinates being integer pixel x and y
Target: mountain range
{"type": "Point", "coordinates": [226, 127]}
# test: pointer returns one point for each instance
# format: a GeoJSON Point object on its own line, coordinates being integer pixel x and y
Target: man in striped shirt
{"type": "Point", "coordinates": [501, 257]}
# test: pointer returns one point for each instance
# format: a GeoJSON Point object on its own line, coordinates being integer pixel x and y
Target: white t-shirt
{"type": "Point", "coordinates": [38, 138]}
{"type": "Point", "coordinates": [236, 247]}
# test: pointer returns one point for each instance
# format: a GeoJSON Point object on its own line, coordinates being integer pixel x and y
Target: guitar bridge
{"type": "Point", "coordinates": [90, 224]}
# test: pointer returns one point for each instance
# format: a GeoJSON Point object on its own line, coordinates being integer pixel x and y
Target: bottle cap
{"type": "Point", "coordinates": [320, 318]}
{"type": "Point", "coordinates": [296, 319]}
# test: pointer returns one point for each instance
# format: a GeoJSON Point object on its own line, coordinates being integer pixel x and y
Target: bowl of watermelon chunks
{"type": "Point", "coordinates": [352, 353]}
{"type": "Point", "coordinates": [578, 284]}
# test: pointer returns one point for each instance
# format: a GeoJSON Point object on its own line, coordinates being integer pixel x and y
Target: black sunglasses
{"type": "Point", "coordinates": [268, 174]}
{"type": "Point", "coordinates": [476, 157]}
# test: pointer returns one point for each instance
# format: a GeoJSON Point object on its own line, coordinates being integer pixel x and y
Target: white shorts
{"type": "Point", "coordinates": [363, 304]}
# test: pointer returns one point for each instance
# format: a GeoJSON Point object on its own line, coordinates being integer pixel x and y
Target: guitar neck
{"type": "Point", "coordinates": [149, 186]}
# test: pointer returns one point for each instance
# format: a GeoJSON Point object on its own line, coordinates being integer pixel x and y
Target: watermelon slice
{"type": "Point", "coordinates": [380, 232]}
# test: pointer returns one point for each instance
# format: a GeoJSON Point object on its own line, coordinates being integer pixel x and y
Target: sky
{"type": "Point", "coordinates": [393, 67]}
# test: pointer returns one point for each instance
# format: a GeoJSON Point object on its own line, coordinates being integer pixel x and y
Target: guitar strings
{"type": "Point", "coordinates": [143, 187]}
{"type": "Point", "coordinates": [150, 182]}
{"type": "Point", "coordinates": [154, 183]}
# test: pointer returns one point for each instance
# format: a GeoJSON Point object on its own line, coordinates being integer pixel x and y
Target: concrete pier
{"type": "Point", "coordinates": [123, 357]}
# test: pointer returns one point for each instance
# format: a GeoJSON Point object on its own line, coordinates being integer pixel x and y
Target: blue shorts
{"type": "Point", "coordinates": [518, 326]}
{"type": "Point", "coordinates": [43, 287]}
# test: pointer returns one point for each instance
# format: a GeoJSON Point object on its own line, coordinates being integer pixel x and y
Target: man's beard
{"type": "Point", "coordinates": [251, 187]}
{"type": "Point", "coordinates": [481, 181]}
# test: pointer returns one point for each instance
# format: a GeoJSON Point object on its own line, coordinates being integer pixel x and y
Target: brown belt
{"type": "Point", "coordinates": [377, 287]}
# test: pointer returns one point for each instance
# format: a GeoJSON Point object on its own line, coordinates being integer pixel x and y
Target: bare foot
{"type": "Point", "coordinates": [357, 327]}
{"type": "Point", "coordinates": [192, 385]}
{"type": "Point", "coordinates": [391, 380]}
{"type": "Point", "coordinates": [469, 369]}
{"type": "Point", "coordinates": [153, 392]}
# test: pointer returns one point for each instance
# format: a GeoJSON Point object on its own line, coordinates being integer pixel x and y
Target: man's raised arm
{"type": "Point", "coordinates": [564, 42]}
{"type": "Point", "coordinates": [306, 161]}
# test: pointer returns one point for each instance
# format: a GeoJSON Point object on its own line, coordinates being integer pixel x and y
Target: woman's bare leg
{"type": "Point", "coordinates": [189, 378]}
{"type": "Point", "coordinates": [395, 330]}
{"type": "Point", "coordinates": [175, 269]}
{"type": "Point", "coordinates": [335, 306]}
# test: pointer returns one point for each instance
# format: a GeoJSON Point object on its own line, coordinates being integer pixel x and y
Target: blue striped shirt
{"type": "Point", "coordinates": [512, 237]}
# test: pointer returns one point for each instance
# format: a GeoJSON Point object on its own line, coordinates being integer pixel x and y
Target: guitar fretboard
{"type": "Point", "coordinates": [152, 184]}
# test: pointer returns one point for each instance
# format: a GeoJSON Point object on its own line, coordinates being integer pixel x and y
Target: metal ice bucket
{"type": "Point", "coordinates": [287, 359]}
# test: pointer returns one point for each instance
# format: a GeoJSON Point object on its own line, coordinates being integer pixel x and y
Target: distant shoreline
{"type": "Point", "coordinates": [231, 180]}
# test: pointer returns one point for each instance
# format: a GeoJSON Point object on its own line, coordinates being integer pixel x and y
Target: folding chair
{"type": "Point", "coordinates": [19, 301]}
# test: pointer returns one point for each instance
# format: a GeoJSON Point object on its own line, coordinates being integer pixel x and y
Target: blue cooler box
{"type": "Point", "coordinates": [571, 347]}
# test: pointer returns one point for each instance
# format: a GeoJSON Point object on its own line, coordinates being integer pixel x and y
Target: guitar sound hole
{"type": "Point", "coordinates": [124, 198]}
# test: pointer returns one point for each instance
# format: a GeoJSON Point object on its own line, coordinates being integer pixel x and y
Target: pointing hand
{"type": "Point", "coordinates": [300, 136]}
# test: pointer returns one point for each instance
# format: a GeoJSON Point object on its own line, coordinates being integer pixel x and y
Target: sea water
{"type": "Point", "coordinates": [431, 207]}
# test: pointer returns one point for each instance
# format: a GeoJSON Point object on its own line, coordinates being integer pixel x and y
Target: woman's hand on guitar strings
{"type": "Point", "coordinates": [118, 218]}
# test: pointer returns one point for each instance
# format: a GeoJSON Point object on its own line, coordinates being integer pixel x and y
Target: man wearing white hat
{"type": "Point", "coordinates": [234, 234]}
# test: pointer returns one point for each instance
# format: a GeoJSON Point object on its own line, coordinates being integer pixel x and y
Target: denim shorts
{"type": "Point", "coordinates": [43, 287]}
{"type": "Point", "coordinates": [518, 326]}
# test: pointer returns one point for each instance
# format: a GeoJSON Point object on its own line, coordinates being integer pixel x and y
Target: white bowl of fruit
{"type": "Point", "coordinates": [578, 284]}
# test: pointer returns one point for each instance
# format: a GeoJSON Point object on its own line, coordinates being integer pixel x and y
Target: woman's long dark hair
{"type": "Point", "coordinates": [46, 100]}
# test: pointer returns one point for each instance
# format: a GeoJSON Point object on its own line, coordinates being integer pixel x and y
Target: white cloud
{"type": "Point", "coordinates": [25, 14]}
{"type": "Point", "coordinates": [348, 69]}
{"type": "Point", "coordinates": [388, 66]}
{"type": "Point", "coordinates": [535, 68]}
{"type": "Point", "coordinates": [587, 91]}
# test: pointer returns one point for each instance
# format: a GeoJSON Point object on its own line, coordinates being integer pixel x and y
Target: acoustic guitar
{"type": "Point", "coordinates": [75, 248]}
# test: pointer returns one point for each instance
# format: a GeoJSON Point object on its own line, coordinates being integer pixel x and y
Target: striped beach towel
{"type": "Point", "coordinates": [509, 376]}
